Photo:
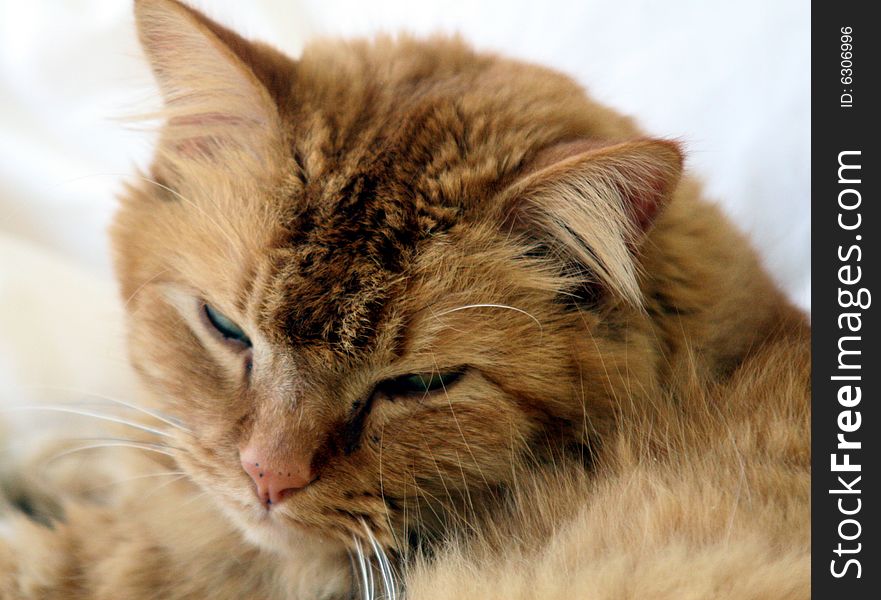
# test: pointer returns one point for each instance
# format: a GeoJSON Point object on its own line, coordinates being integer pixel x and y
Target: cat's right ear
{"type": "Point", "coordinates": [217, 109]}
{"type": "Point", "coordinates": [593, 203]}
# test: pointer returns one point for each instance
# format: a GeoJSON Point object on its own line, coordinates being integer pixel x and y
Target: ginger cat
{"type": "Point", "coordinates": [416, 320]}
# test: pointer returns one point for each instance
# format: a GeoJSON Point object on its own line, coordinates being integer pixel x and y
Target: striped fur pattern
{"type": "Point", "coordinates": [625, 401]}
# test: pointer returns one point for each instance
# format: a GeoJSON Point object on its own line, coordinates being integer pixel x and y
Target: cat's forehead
{"type": "Point", "coordinates": [346, 250]}
{"type": "Point", "coordinates": [389, 165]}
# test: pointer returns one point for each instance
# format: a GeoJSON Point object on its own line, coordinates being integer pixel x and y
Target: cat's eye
{"type": "Point", "coordinates": [422, 383]}
{"type": "Point", "coordinates": [225, 326]}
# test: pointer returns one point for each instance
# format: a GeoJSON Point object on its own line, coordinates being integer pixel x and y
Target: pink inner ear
{"type": "Point", "coordinates": [198, 135]}
{"type": "Point", "coordinates": [195, 147]}
{"type": "Point", "coordinates": [643, 172]}
{"type": "Point", "coordinates": [646, 196]}
{"type": "Point", "coordinates": [205, 120]}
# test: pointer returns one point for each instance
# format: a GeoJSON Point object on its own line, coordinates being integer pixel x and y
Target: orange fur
{"type": "Point", "coordinates": [631, 418]}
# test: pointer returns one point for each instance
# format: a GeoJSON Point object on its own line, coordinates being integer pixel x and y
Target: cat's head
{"type": "Point", "coordinates": [376, 282]}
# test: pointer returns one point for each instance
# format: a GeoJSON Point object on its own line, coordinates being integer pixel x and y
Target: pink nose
{"type": "Point", "coordinates": [275, 480]}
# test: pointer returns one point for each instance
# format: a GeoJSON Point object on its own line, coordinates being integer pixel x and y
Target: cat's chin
{"type": "Point", "coordinates": [289, 539]}
{"type": "Point", "coordinates": [269, 532]}
{"type": "Point", "coordinates": [312, 566]}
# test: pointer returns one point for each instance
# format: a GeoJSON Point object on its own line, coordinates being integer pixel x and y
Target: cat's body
{"type": "Point", "coordinates": [622, 398]}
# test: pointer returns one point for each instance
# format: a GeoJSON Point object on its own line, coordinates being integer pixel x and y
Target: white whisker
{"type": "Point", "coordinates": [193, 499]}
{"type": "Point", "coordinates": [167, 420]}
{"type": "Point", "coordinates": [385, 567]}
{"type": "Point", "coordinates": [503, 306]}
{"type": "Point", "coordinates": [363, 571]}
{"type": "Point", "coordinates": [152, 413]}
{"type": "Point", "coordinates": [371, 586]}
{"type": "Point", "coordinates": [112, 444]}
{"type": "Point", "coordinates": [94, 415]}
{"type": "Point", "coordinates": [177, 475]}
{"type": "Point", "coordinates": [142, 286]}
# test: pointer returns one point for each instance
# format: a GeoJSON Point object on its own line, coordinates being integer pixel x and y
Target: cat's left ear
{"type": "Point", "coordinates": [217, 104]}
{"type": "Point", "coordinates": [594, 203]}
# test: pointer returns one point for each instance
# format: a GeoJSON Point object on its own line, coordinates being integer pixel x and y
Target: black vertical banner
{"type": "Point", "coordinates": [844, 262]}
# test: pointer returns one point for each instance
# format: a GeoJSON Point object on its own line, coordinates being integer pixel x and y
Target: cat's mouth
{"type": "Point", "coordinates": [285, 525]}
{"type": "Point", "coordinates": [288, 526]}
{"type": "Point", "coordinates": [277, 529]}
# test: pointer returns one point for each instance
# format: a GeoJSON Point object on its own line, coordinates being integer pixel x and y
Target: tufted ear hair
{"type": "Point", "coordinates": [593, 204]}
{"type": "Point", "coordinates": [217, 104]}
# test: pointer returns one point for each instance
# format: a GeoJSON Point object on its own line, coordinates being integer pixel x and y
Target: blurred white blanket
{"type": "Point", "coordinates": [730, 80]}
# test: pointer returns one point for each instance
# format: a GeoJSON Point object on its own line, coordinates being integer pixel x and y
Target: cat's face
{"type": "Point", "coordinates": [349, 280]}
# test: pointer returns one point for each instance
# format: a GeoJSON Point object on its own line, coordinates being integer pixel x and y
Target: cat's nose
{"type": "Point", "coordinates": [275, 479]}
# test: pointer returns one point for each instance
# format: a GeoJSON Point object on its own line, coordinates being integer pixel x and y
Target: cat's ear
{"type": "Point", "coordinates": [593, 204]}
{"type": "Point", "coordinates": [216, 106]}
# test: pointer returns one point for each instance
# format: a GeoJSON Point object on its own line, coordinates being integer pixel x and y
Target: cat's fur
{"type": "Point", "coordinates": [633, 421]}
